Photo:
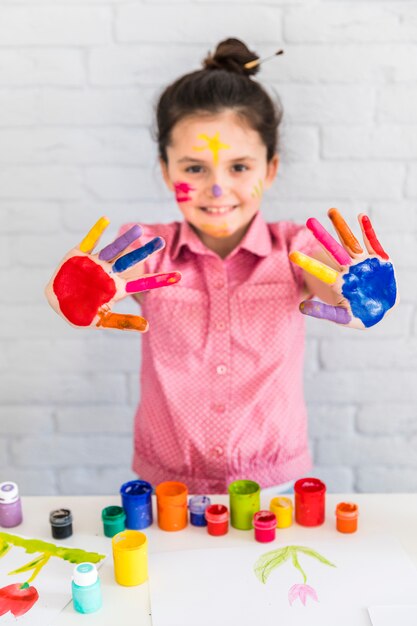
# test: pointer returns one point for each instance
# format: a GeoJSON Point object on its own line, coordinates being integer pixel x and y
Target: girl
{"type": "Point", "coordinates": [221, 382]}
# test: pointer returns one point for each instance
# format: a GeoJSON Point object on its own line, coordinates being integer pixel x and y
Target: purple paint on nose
{"type": "Point", "coordinates": [216, 191]}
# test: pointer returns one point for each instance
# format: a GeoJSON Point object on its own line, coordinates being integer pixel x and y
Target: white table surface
{"type": "Point", "coordinates": [394, 514]}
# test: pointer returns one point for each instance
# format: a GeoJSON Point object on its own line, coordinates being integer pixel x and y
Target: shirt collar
{"type": "Point", "coordinates": [257, 239]}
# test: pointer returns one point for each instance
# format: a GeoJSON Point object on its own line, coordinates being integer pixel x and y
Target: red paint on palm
{"type": "Point", "coordinates": [17, 599]}
{"type": "Point", "coordinates": [82, 287]}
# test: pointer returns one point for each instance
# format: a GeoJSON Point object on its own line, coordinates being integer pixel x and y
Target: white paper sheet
{"type": "Point", "coordinates": [390, 615]}
{"type": "Point", "coordinates": [191, 587]}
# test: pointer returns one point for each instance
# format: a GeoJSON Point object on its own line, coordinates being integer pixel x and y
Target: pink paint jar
{"type": "Point", "coordinates": [309, 501]}
{"type": "Point", "coordinates": [217, 516]}
{"type": "Point", "coordinates": [265, 525]}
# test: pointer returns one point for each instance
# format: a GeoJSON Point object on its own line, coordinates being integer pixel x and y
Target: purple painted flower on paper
{"type": "Point", "coordinates": [302, 592]}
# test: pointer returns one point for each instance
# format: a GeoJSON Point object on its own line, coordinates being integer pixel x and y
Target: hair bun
{"type": "Point", "coordinates": [231, 55]}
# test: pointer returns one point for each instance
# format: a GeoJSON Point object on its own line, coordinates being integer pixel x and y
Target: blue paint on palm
{"type": "Point", "coordinates": [371, 290]}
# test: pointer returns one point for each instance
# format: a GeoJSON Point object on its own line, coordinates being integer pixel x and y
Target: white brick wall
{"type": "Point", "coordinates": [78, 79]}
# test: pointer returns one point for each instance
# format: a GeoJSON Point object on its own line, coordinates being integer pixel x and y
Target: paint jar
{"type": "Point", "coordinates": [265, 525]}
{"type": "Point", "coordinates": [282, 507]}
{"type": "Point", "coordinates": [86, 591]}
{"type": "Point", "coordinates": [245, 501]}
{"type": "Point", "coordinates": [137, 503]}
{"type": "Point", "coordinates": [171, 499]}
{"type": "Point", "coordinates": [347, 517]}
{"type": "Point", "coordinates": [130, 557]}
{"type": "Point", "coordinates": [10, 505]}
{"type": "Point", "coordinates": [217, 516]}
{"type": "Point", "coordinates": [197, 506]}
{"type": "Point", "coordinates": [114, 518]}
{"type": "Point", "coordinates": [309, 501]}
{"type": "Point", "coordinates": [61, 523]}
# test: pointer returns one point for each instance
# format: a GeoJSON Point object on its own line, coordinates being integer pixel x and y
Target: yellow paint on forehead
{"type": "Point", "coordinates": [214, 144]}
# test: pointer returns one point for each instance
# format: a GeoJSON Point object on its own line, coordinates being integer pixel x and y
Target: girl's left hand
{"type": "Point", "coordinates": [365, 286]}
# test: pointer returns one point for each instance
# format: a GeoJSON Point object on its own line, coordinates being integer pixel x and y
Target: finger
{"type": "Point", "coordinates": [337, 314]}
{"type": "Point", "coordinates": [371, 241]}
{"type": "Point", "coordinates": [346, 236]}
{"type": "Point", "coordinates": [121, 243]}
{"type": "Point", "coordinates": [122, 321]}
{"type": "Point", "coordinates": [321, 271]}
{"type": "Point", "coordinates": [152, 282]}
{"type": "Point", "coordinates": [92, 237]}
{"type": "Point", "coordinates": [142, 253]}
{"type": "Point", "coordinates": [328, 242]}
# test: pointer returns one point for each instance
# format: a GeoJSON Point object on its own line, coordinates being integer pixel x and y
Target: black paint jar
{"type": "Point", "coordinates": [61, 523]}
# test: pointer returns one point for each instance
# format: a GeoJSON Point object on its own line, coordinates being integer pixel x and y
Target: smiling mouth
{"type": "Point", "coordinates": [219, 210]}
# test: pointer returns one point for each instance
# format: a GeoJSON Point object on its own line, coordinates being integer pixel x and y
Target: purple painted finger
{"type": "Point", "coordinates": [337, 314]}
{"type": "Point", "coordinates": [327, 241]}
{"type": "Point", "coordinates": [121, 243]}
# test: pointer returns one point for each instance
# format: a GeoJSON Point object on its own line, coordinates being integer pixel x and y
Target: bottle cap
{"type": "Point", "coordinates": [9, 492]}
{"type": "Point", "coordinates": [85, 574]}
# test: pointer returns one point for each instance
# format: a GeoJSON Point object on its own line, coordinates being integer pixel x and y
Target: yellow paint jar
{"type": "Point", "coordinates": [130, 557]}
{"type": "Point", "coordinates": [282, 507]}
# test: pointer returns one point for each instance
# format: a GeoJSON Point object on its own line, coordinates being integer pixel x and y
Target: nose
{"type": "Point", "coordinates": [216, 191]}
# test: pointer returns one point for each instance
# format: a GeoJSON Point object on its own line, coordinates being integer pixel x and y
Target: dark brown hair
{"type": "Point", "coordinates": [223, 83]}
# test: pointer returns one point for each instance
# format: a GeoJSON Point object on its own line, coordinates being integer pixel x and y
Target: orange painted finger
{"type": "Point", "coordinates": [122, 321]}
{"type": "Point", "coordinates": [321, 271]}
{"type": "Point", "coordinates": [344, 232]}
{"type": "Point", "coordinates": [371, 240]}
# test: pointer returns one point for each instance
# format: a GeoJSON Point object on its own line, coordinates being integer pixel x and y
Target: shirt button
{"type": "Point", "coordinates": [220, 326]}
{"type": "Point", "coordinates": [217, 451]}
{"type": "Point", "coordinates": [219, 408]}
{"type": "Point", "coordinates": [219, 284]}
{"type": "Point", "coordinates": [221, 369]}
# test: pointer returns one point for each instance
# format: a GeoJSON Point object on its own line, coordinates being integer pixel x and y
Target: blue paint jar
{"type": "Point", "coordinates": [86, 591]}
{"type": "Point", "coordinates": [137, 503]}
{"type": "Point", "coordinates": [197, 506]}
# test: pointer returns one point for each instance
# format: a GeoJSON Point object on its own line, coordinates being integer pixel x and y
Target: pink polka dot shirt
{"type": "Point", "coordinates": [222, 365]}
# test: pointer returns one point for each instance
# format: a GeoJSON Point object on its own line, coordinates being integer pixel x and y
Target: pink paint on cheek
{"type": "Point", "coordinates": [82, 287]}
{"type": "Point", "coordinates": [182, 191]}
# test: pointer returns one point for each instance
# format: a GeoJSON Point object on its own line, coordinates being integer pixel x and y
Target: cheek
{"type": "Point", "coordinates": [183, 191]}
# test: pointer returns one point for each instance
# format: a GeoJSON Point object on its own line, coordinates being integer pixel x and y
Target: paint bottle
{"type": "Point", "coordinates": [61, 523]}
{"type": "Point", "coordinates": [171, 499]}
{"type": "Point", "coordinates": [282, 507]}
{"type": "Point", "coordinates": [347, 517]}
{"type": "Point", "coordinates": [86, 591]}
{"type": "Point", "coordinates": [10, 505]}
{"type": "Point", "coordinates": [137, 503]}
{"type": "Point", "coordinates": [245, 501]}
{"type": "Point", "coordinates": [197, 506]}
{"type": "Point", "coordinates": [114, 518]}
{"type": "Point", "coordinates": [217, 516]}
{"type": "Point", "coordinates": [309, 501]}
{"type": "Point", "coordinates": [265, 525]}
{"type": "Point", "coordinates": [130, 557]}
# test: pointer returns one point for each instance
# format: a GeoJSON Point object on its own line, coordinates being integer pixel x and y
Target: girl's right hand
{"type": "Point", "coordinates": [86, 285]}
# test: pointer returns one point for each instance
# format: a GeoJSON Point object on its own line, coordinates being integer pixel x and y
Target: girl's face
{"type": "Point", "coordinates": [218, 170]}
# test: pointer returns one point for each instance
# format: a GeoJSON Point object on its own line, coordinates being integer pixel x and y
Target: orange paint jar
{"type": "Point", "coordinates": [347, 517]}
{"type": "Point", "coordinates": [171, 500]}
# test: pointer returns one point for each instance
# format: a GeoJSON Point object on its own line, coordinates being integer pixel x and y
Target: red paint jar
{"type": "Point", "coordinates": [309, 501]}
{"type": "Point", "coordinates": [265, 525]}
{"type": "Point", "coordinates": [217, 516]}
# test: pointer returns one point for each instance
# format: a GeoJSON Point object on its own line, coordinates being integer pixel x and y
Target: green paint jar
{"type": "Point", "coordinates": [245, 501]}
{"type": "Point", "coordinates": [114, 519]}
